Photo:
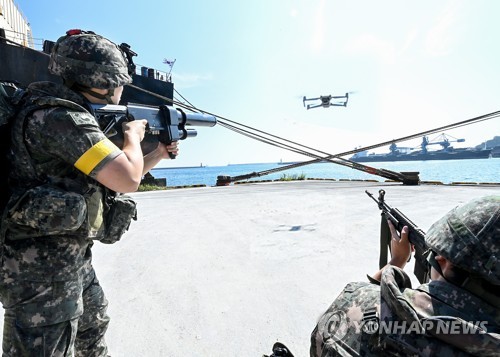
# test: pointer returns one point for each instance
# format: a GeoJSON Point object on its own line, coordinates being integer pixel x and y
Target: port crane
{"type": "Point", "coordinates": [443, 140]}
{"type": "Point", "coordinates": [327, 101]}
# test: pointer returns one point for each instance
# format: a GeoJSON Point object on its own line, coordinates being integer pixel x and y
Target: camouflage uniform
{"type": "Point", "coordinates": [435, 319]}
{"type": "Point", "coordinates": [54, 305]}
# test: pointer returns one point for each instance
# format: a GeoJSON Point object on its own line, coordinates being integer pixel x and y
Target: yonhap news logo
{"type": "Point", "coordinates": [333, 325]}
{"type": "Point", "coordinates": [440, 325]}
{"type": "Point", "coordinates": [336, 324]}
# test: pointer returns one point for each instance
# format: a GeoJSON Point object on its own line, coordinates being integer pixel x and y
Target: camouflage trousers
{"type": "Point", "coordinates": [61, 318]}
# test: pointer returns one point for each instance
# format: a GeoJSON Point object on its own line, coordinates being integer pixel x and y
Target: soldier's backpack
{"type": "Point", "coordinates": [14, 102]}
{"type": "Point", "coordinates": [8, 110]}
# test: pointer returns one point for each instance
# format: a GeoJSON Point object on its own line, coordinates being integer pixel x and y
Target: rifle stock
{"type": "Point", "coordinates": [416, 236]}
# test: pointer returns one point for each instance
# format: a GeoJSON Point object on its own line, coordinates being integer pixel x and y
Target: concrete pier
{"type": "Point", "coordinates": [228, 271]}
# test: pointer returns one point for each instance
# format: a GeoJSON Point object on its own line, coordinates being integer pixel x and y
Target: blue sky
{"type": "Point", "coordinates": [411, 66]}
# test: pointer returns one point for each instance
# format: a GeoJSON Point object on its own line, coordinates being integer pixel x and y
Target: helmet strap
{"type": "Point", "coordinates": [479, 287]}
{"type": "Point", "coordinates": [431, 259]}
{"type": "Point", "coordinates": [456, 275]}
{"type": "Point", "coordinates": [107, 96]}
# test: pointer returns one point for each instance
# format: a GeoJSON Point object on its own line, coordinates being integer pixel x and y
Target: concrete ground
{"type": "Point", "coordinates": [227, 271]}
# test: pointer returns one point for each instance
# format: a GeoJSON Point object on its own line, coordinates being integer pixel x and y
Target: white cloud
{"type": "Point", "coordinates": [410, 40]}
{"type": "Point", "coordinates": [441, 36]}
{"type": "Point", "coordinates": [318, 39]}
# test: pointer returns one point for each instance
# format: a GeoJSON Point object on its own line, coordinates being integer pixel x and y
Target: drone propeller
{"type": "Point", "coordinates": [326, 100]}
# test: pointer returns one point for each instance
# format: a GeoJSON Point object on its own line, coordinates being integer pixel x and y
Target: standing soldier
{"type": "Point", "coordinates": [65, 179]}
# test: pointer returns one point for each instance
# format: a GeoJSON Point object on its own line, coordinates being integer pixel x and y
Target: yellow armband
{"type": "Point", "coordinates": [93, 156]}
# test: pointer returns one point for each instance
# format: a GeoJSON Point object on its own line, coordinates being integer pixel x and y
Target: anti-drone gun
{"type": "Point", "coordinates": [166, 124]}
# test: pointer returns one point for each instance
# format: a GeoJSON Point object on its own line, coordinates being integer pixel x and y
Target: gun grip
{"type": "Point", "coordinates": [171, 154]}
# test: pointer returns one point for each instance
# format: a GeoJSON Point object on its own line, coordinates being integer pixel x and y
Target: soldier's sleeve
{"type": "Point", "coordinates": [73, 137]}
{"type": "Point", "coordinates": [339, 330]}
{"type": "Point", "coordinates": [396, 290]}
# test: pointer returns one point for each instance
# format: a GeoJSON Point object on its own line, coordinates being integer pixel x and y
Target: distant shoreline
{"type": "Point", "coordinates": [382, 162]}
{"type": "Point", "coordinates": [204, 166]}
{"type": "Point", "coordinates": [178, 167]}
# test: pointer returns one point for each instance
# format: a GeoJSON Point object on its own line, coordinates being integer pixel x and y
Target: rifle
{"type": "Point", "coordinates": [415, 235]}
{"type": "Point", "coordinates": [165, 123]}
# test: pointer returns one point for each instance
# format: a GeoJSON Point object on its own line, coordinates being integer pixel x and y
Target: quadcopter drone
{"type": "Point", "coordinates": [326, 101]}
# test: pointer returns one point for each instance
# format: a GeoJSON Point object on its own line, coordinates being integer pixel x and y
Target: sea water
{"type": "Point", "coordinates": [445, 171]}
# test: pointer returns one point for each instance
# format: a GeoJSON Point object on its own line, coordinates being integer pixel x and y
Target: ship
{"type": "Point", "coordinates": [423, 153]}
{"type": "Point", "coordinates": [25, 60]}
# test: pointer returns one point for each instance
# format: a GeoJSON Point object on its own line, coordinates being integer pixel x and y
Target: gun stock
{"type": "Point", "coordinates": [416, 236]}
{"type": "Point", "coordinates": [165, 123]}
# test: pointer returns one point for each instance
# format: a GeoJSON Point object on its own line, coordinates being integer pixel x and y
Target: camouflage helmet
{"type": "Point", "coordinates": [468, 237]}
{"type": "Point", "coordinates": [90, 60]}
